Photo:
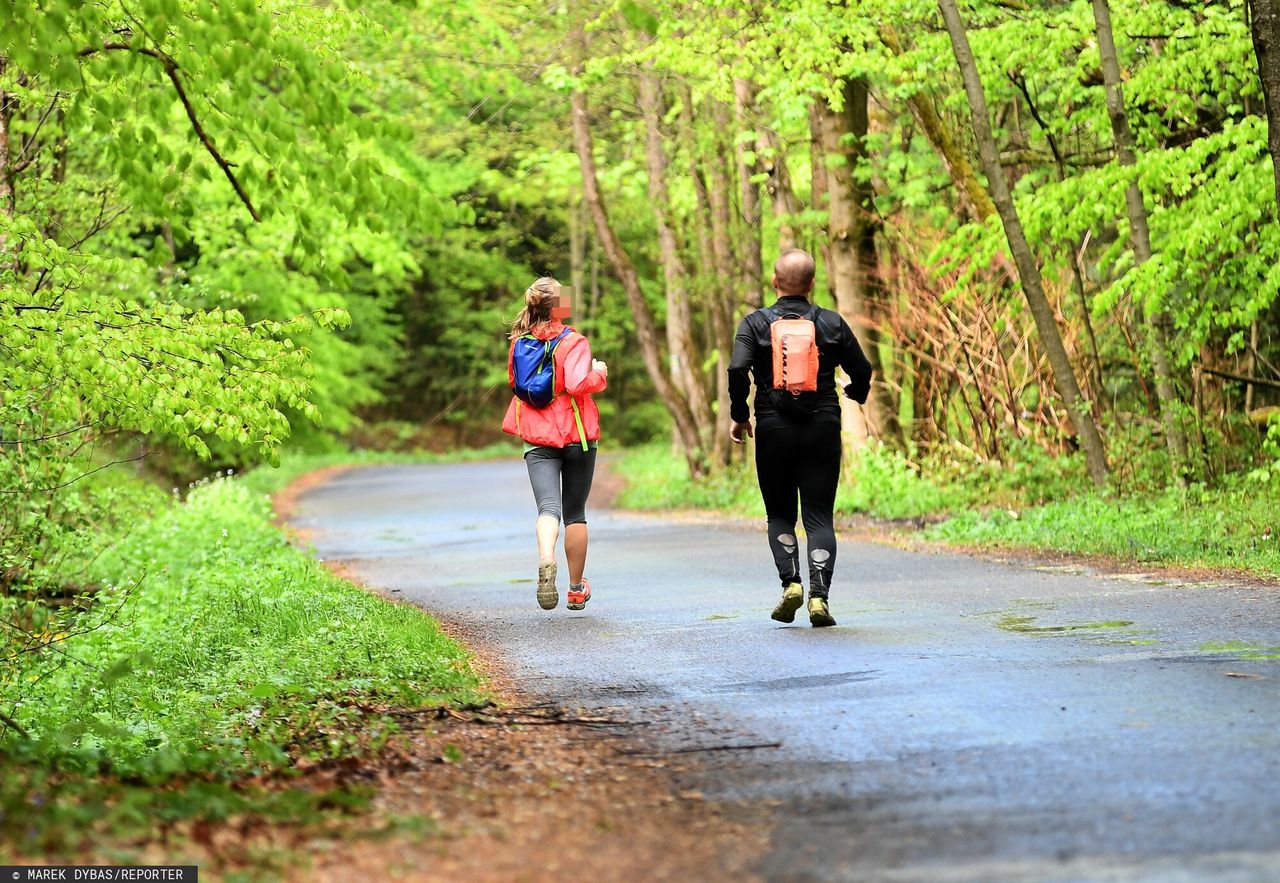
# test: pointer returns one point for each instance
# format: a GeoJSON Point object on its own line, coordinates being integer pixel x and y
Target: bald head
{"type": "Point", "coordinates": [793, 273]}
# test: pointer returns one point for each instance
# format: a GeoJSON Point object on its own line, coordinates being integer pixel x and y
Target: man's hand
{"type": "Point", "coordinates": [740, 432]}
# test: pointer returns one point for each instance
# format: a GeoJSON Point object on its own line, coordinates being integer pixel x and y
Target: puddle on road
{"type": "Point", "coordinates": [1026, 625]}
{"type": "Point", "coordinates": [1240, 649]}
{"type": "Point", "coordinates": [799, 683]}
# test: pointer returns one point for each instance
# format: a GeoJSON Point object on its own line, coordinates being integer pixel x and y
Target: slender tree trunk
{"type": "Point", "coordinates": [752, 263]}
{"type": "Point", "coordinates": [682, 354]}
{"type": "Point", "coordinates": [7, 194]}
{"type": "Point", "coordinates": [1077, 270]}
{"type": "Point", "coordinates": [1252, 366]}
{"type": "Point", "coordinates": [1265, 26]}
{"type": "Point", "coordinates": [577, 250]}
{"type": "Point", "coordinates": [646, 332]}
{"type": "Point", "coordinates": [852, 268]}
{"type": "Point", "coordinates": [717, 268]}
{"type": "Point", "coordinates": [973, 196]}
{"type": "Point", "coordinates": [1140, 234]}
{"type": "Point", "coordinates": [1028, 272]}
{"type": "Point", "coordinates": [818, 175]}
{"type": "Point", "coordinates": [786, 207]}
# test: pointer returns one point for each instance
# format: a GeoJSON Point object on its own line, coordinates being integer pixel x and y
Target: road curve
{"type": "Point", "coordinates": [966, 721]}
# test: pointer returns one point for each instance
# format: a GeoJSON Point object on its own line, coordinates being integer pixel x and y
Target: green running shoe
{"type": "Point", "coordinates": [792, 598]}
{"type": "Point", "coordinates": [548, 595]}
{"type": "Point", "coordinates": [820, 613]}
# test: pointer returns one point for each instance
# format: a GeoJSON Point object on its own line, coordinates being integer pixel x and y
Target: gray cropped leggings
{"type": "Point", "coordinates": [561, 479]}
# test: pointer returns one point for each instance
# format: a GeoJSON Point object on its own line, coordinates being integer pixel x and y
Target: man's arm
{"type": "Point", "coordinates": [744, 353]}
{"type": "Point", "coordinates": [855, 364]}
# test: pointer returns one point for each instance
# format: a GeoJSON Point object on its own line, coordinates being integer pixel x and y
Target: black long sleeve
{"type": "Point", "coordinates": [744, 352]}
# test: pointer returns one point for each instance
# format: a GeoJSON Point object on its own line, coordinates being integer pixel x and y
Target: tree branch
{"type": "Point", "coordinates": [1256, 381]}
{"type": "Point", "coordinates": [173, 72]}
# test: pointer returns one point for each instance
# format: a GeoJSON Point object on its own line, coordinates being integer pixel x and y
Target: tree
{"type": "Point", "coordinates": [851, 249]}
{"type": "Point", "coordinates": [1029, 274]}
{"type": "Point", "coordinates": [1140, 234]}
{"type": "Point", "coordinates": [1265, 25]}
{"type": "Point", "coordinates": [646, 330]}
{"type": "Point", "coordinates": [680, 346]}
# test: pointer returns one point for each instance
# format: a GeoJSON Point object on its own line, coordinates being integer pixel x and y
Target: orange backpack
{"type": "Point", "coordinates": [795, 354]}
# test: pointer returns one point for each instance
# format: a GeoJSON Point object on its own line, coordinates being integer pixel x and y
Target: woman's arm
{"type": "Point", "coordinates": [580, 378]}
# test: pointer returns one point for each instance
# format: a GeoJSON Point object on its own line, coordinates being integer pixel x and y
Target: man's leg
{"type": "Point", "coordinates": [776, 456]}
{"type": "Point", "coordinates": [819, 475]}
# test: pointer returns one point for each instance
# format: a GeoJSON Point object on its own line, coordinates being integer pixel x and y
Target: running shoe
{"type": "Point", "coordinates": [548, 595]}
{"type": "Point", "coordinates": [792, 598]}
{"type": "Point", "coordinates": [820, 613]}
{"type": "Point", "coordinates": [578, 600]}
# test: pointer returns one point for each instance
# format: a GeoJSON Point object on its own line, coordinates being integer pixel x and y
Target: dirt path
{"type": "Point", "coordinates": [525, 791]}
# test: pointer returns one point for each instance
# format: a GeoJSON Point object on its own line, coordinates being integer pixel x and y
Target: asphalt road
{"type": "Point", "coordinates": [966, 721]}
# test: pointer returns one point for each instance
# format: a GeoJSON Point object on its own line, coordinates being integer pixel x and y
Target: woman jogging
{"type": "Point", "coordinates": [552, 373]}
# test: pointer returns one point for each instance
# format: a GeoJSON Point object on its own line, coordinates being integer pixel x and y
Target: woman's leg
{"type": "Point", "coordinates": [579, 470]}
{"type": "Point", "coordinates": [544, 476]}
{"type": "Point", "coordinates": [544, 465]}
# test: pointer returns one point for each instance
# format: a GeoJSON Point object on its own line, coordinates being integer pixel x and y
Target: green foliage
{"type": "Point", "coordinates": [216, 647]}
{"type": "Point", "coordinates": [883, 483]}
{"type": "Point", "coordinates": [1233, 527]}
{"type": "Point", "coordinates": [655, 479]}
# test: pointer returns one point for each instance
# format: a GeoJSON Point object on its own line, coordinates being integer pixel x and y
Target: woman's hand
{"type": "Point", "coordinates": [740, 432]}
{"type": "Point", "coordinates": [600, 367]}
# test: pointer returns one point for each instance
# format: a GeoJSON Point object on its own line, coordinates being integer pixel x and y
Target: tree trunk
{"type": "Point", "coordinates": [786, 207]}
{"type": "Point", "coordinates": [682, 354]}
{"type": "Point", "coordinates": [818, 175]}
{"type": "Point", "coordinates": [1265, 26]}
{"type": "Point", "coordinates": [1028, 272]}
{"type": "Point", "coordinates": [752, 268]}
{"type": "Point", "coordinates": [7, 195]}
{"type": "Point", "coordinates": [852, 265]}
{"type": "Point", "coordinates": [1140, 234]}
{"type": "Point", "coordinates": [717, 267]}
{"type": "Point", "coordinates": [577, 251]}
{"type": "Point", "coordinates": [973, 196]}
{"type": "Point", "coordinates": [646, 333]}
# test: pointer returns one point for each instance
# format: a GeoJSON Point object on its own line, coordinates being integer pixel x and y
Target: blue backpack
{"type": "Point", "coordinates": [533, 365]}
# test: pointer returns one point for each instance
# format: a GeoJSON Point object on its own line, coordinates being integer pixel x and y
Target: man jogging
{"type": "Point", "coordinates": [793, 349]}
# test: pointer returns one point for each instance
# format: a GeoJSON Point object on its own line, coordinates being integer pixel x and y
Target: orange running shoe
{"type": "Point", "coordinates": [578, 600]}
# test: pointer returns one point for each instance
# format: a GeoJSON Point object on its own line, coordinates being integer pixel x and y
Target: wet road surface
{"type": "Point", "coordinates": [966, 721]}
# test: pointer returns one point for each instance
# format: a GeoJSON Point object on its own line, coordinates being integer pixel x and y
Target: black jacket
{"type": "Point", "coordinates": [753, 356]}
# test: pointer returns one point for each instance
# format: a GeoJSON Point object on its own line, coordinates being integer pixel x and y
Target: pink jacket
{"type": "Point", "coordinates": [554, 425]}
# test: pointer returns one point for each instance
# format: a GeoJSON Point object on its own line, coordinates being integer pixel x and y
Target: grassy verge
{"type": "Point", "coordinates": [211, 663]}
{"type": "Point", "coordinates": [1233, 527]}
{"type": "Point", "coordinates": [1035, 502]}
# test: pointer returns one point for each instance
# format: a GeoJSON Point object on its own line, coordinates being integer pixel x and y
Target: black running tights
{"type": "Point", "coordinates": [800, 461]}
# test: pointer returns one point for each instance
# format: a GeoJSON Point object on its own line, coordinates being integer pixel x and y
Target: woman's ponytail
{"type": "Point", "coordinates": [539, 299]}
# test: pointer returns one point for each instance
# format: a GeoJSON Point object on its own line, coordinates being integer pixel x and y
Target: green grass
{"type": "Point", "coordinates": [213, 654]}
{"type": "Point", "coordinates": [1036, 501]}
{"type": "Point", "coordinates": [880, 484]}
{"type": "Point", "coordinates": [1234, 527]}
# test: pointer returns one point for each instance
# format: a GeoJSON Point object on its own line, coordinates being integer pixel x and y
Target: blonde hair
{"type": "Point", "coordinates": [539, 298]}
